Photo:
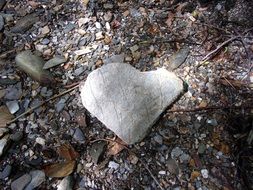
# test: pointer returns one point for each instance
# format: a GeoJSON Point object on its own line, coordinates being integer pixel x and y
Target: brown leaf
{"type": "Point", "coordinates": [5, 116]}
{"type": "Point", "coordinates": [67, 152]}
{"type": "Point", "coordinates": [60, 169]}
{"type": "Point", "coordinates": [194, 175]}
{"type": "Point", "coordinates": [116, 146]}
{"type": "Point", "coordinates": [81, 120]}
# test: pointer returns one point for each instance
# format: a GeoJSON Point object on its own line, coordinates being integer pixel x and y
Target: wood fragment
{"type": "Point", "coordinates": [211, 54]}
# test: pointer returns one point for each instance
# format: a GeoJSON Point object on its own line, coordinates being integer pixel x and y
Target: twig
{"type": "Point", "coordinates": [6, 53]}
{"type": "Point", "coordinates": [215, 51]}
{"type": "Point", "coordinates": [211, 108]}
{"type": "Point", "coordinates": [41, 104]}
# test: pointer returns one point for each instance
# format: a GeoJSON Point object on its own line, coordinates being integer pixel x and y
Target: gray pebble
{"type": "Point", "coordinates": [13, 93]}
{"type": "Point", "coordinates": [184, 157]}
{"type": "Point", "coordinates": [1, 22]}
{"type": "Point", "coordinates": [79, 71]}
{"type": "Point", "coordinates": [69, 27]}
{"type": "Point", "coordinates": [2, 3]}
{"type": "Point", "coordinates": [212, 122]}
{"type": "Point", "coordinates": [46, 93]}
{"type": "Point", "coordinates": [3, 144]}
{"type": "Point", "coordinates": [6, 172]}
{"type": "Point", "coordinates": [66, 183]}
{"type": "Point", "coordinates": [172, 166]}
{"type": "Point", "coordinates": [158, 139]}
{"type": "Point", "coordinates": [21, 182]}
{"type": "Point", "coordinates": [79, 136]}
{"type": "Point", "coordinates": [38, 177]}
{"type": "Point", "coordinates": [13, 106]}
{"type": "Point", "coordinates": [60, 105]}
{"type": "Point", "coordinates": [202, 148]}
{"type": "Point", "coordinates": [198, 184]}
{"type": "Point", "coordinates": [176, 152]}
{"type": "Point", "coordinates": [45, 41]}
{"type": "Point", "coordinates": [17, 136]}
{"type": "Point", "coordinates": [113, 165]}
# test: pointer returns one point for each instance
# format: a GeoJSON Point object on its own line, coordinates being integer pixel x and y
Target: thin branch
{"type": "Point", "coordinates": [41, 104]}
{"type": "Point", "coordinates": [215, 51]}
{"type": "Point", "coordinates": [199, 109]}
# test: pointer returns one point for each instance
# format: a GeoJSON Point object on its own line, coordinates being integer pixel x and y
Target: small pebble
{"type": "Point", "coordinates": [13, 106]}
{"type": "Point", "coordinates": [113, 165]}
{"type": "Point", "coordinates": [21, 182]}
{"type": "Point", "coordinates": [204, 173]}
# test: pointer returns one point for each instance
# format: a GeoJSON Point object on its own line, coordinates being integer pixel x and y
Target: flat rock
{"type": "Point", "coordinates": [3, 144]}
{"type": "Point", "coordinates": [25, 23]}
{"type": "Point", "coordinates": [178, 58]}
{"type": "Point", "coordinates": [2, 3]}
{"type": "Point", "coordinates": [54, 62]}
{"type": "Point", "coordinates": [38, 177]}
{"type": "Point", "coordinates": [6, 172]}
{"type": "Point", "coordinates": [21, 182]}
{"type": "Point", "coordinates": [128, 101]}
{"type": "Point", "coordinates": [33, 66]}
{"type": "Point", "coordinates": [66, 183]}
{"type": "Point", "coordinates": [1, 22]}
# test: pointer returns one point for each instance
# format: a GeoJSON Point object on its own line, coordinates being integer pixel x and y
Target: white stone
{"type": "Point", "coordinates": [204, 173]}
{"type": "Point", "coordinates": [128, 101]}
{"type": "Point", "coordinates": [40, 141]}
{"type": "Point", "coordinates": [113, 165]}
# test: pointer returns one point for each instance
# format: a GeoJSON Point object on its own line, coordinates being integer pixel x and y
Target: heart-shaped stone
{"type": "Point", "coordinates": [128, 101]}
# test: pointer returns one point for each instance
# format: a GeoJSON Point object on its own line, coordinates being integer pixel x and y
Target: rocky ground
{"type": "Point", "coordinates": [203, 141]}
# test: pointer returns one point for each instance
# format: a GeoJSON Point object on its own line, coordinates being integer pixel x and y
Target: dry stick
{"type": "Point", "coordinates": [130, 151]}
{"type": "Point", "coordinates": [210, 108]}
{"type": "Point", "coordinates": [41, 104]}
{"type": "Point", "coordinates": [215, 51]}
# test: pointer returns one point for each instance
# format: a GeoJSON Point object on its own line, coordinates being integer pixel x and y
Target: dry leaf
{"type": "Point", "coordinates": [85, 2]}
{"type": "Point", "coordinates": [116, 146]}
{"type": "Point", "coordinates": [60, 169]}
{"type": "Point", "coordinates": [5, 116]}
{"type": "Point", "coordinates": [203, 104]}
{"type": "Point", "coordinates": [194, 175]}
{"type": "Point", "coordinates": [33, 4]}
{"type": "Point", "coordinates": [67, 152]}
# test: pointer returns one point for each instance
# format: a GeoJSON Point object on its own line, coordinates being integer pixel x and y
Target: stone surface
{"type": "Point", "coordinates": [178, 58]}
{"type": "Point", "coordinates": [25, 23]}
{"type": "Point", "coordinates": [66, 183]}
{"type": "Point", "coordinates": [3, 144]}
{"type": "Point", "coordinates": [129, 103]}
{"type": "Point", "coordinates": [21, 182]}
{"type": "Point", "coordinates": [54, 62]}
{"type": "Point", "coordinates": [12, 106]}
{"type": "Point", "coordinates": [2, 3]}
{"type": "Point", "coordinates": [33, 66]}
{"type": "Point", "coordinates": [1, 22]}
{"type": "Point", "coordinates": [38, 177]}
{"type": "Point", "coordinates": [6, 172]}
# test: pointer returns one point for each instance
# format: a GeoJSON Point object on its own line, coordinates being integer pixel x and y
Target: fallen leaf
{"type": "Point", "coordinates": [33, 4]}
{"type": "Point", "coordinates": [5, 116]}
{"type": "Point", "coordinates": [224, 148]}
{"type": "Point", "coordinates": [116, 146]}
{"type": "Point", "coordinates": [194, 175]}
{"type": "Point", "coordinates": [203, 104]}
{"type": "Point", "coordinates": [85, 2]}
{"type": "Point", "coordinates": [67, 152]}
{"type": "Point", "coordinates": [81, 120]}
{"type": "Point", "coordinates": [60, 169]}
